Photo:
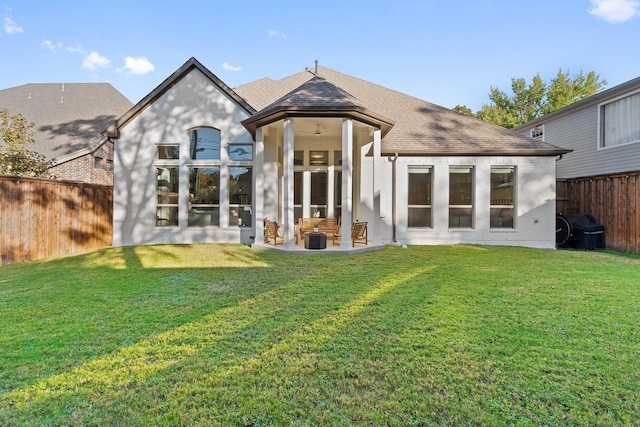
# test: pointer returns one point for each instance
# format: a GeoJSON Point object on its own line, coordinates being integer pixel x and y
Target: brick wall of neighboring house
{"type": "Point", "coordinates": [93, 168]}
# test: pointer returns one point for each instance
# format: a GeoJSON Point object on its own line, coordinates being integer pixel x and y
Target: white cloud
{"type": "Point", "coordinates": [138, 66]}
{"type": "Point", "coordinates": [615, 11]}
{"type": "Point", "coordinates": [274, 33]}
{"type": "Point", "coordinates": [51, 45]}
{"type": "Point", "coordinates": [230, 67]}
{"type": "Point", "coordinates": [10, 27]}
{"type": "Point", "coordinates": [77, 49]}
{"type": "Point", "coordinates": [95, 60]}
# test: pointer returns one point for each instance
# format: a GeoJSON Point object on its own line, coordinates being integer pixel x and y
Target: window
{"type": "Point", "coordinates": [461, 197]}
{"type": "Point", "coordinates": [97, 162]}
{"type": "Point", "coordinates": [419, 197]}
{"type": "Point", "coordinates": [109, 165]}
{"type": "Point", "coordinates": [298, 158]}
{"type": "Point", "coordinates": [538, 132]}
{"type": "Point", "coordinates": [619, 123]}
{"type": "Point", "coordinates": [204, 196]}
{"type": "Point", "coordinates": [167, 193]}
{"type": "Point", "coordinates": [502, 192]}
{"type": "Point", "coordinates": [298, 185]}
{"type": "Point", "coordinates": [241, 152]}
{"type": "Point", "coordinates": [337, 158]}
{"type": "Point", "coordinates": [319, 197]}
{"type": "Point", "coordinates": [240, 195]}
{"type": "Point", "coordinates": [204, 144]}
{"type": "Point", "coordinates": [168, 152]}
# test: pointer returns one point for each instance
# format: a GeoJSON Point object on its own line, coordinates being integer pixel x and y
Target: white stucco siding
{"type": "Point", "coordinates": [194, 101]}
{"type": "Point", "coordinates": [534, 205]}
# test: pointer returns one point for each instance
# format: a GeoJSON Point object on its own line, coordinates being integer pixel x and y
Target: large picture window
{"type": "Point", "coordinates": [204, 196]}
{"type": "Point", "coordinates": [419, 197]}
{"type": "Point", "coordinates": [461, 197]}
{"type": "Point", "coordinates": [502, 197]}
{"type": "Point", "coordinates": [619, 123]}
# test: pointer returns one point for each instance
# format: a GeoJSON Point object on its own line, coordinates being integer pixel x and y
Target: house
{"type": "Point", "coordinates": [69, 119]}
{"type": "Point", "coordinates": [601, 176]}
{"type": "Point", "coordinates": [197, 161]}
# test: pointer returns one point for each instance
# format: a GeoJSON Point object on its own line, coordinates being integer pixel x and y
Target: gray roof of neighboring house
{"type": "Point", "coordinates": [68, 117]}
{"type": "Point", "coordinates": [420, 127]}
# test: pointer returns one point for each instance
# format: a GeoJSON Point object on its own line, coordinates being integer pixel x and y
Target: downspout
{"type": "Point", "coordinates": [393, 195]}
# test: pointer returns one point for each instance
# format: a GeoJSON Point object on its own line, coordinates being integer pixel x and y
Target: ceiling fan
{"type": "Point", "coordinates": [317, 132]}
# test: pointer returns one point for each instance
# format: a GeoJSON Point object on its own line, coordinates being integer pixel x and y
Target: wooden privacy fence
{"type": "Point", "coordinates": [613, 200]}
{"type": "Point", "coordinates": [42, 218]}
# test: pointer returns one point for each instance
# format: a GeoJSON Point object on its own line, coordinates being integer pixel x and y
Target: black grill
{"type": "Point", "coordinates": [579, 231]}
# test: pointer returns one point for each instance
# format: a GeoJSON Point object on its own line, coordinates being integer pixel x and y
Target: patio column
{"type": "Point", "coordinates": [347, 182]}
{"type": "Point", "coordinates": [377, 180]}
{"type": "Point", "coordinates": [287, 195]}
{"type": "Point", "coordinates": [258, 188]}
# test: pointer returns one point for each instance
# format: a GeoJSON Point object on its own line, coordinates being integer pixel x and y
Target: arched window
{"type": "Point", "coordinates": [204, 144]}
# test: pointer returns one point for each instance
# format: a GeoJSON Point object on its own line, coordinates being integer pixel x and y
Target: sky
{"type": "Point", "coordinates": [447, 52]}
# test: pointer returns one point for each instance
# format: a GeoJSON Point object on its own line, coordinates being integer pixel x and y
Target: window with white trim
{"type": "Point", "coordinates": [419, 196]}
{"type": "Point", "coordinates": [204, 177]}
{"type": "Point", "coordinates": [538, 132]}
{"type": "Point", "coordinates": [461, 184]}
{"type": "Point", "coordinates": [502, 196]}
{"type": "Point", "coordinates": [166, 164]}
{"type": "Point", "coordinates": [620, 121]}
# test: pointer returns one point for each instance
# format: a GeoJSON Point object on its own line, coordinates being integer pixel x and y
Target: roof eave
{"type": "Point", "coordinates": [481, 153]}
{"type": "Point", "coordinates": [281, 112]}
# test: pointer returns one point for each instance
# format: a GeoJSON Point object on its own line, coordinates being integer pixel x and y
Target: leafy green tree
{"type": "Point", "coordinates": [529, 101]}
{"type": "Point", "coordinates": [463, 109]}
{"type": "Point", "coordinates": [15, 158]}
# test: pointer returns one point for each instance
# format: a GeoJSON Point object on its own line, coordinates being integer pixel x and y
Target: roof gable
{"type": "Point", "coordinates": [192, 64]}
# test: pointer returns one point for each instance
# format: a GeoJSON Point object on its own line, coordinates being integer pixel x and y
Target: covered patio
{"type": "Point", "coordinates": [309, 149]}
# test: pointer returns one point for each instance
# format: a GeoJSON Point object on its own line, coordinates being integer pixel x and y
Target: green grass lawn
{"type": "Point", "coordinates": [229, 335]}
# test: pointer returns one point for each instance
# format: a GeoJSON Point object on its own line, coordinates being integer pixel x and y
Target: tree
{"type": "Point", "coordinates": [530, 101]}
{"type": "Point", "coordinates": [15, 158]}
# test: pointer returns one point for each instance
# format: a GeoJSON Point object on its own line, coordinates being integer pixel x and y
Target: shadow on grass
{"type": "Point", "coordinates": [270, 323]}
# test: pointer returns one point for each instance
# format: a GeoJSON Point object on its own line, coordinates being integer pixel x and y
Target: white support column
{"type": "Point", "coordinates": [347, 182]}
{"type": "Point", "coordinates": [377, 180]}
{"type": "Point", "coordinates": [258, 188]}
{"type": "Point", "coordinates": [331, 192]}
{"type": "Point", "coordinates": [288, 183]}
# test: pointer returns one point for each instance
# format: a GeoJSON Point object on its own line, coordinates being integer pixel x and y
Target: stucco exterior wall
{"type": "Point", "coordinates": [535, 201]}
{"type": "Point", "coordinates": [193, 101]}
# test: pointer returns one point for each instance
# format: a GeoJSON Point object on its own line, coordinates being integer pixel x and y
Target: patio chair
{"type": "Point", "coordinates": [272, 234]}
{"type": "Point", "coordinates": [359, 233]}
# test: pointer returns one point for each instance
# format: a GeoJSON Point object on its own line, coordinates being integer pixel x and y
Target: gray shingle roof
{"type": "Point", "coordinates": [69, 117]}
{"type": "Point", "coordinates": [420, 127]}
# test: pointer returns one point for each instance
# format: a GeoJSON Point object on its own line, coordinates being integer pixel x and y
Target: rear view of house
{"type": "Point", "coordinates": [197, 161]}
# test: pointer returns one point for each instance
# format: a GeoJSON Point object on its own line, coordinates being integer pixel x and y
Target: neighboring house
{"type": "Point", "coordinates": [69, 119]}
{"type": "Point", "coordinates": [603, 131]}
{"type": "Point", "coordinates": [601, 177]}
{"type": "Point", "coordinates": [196, 161]}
